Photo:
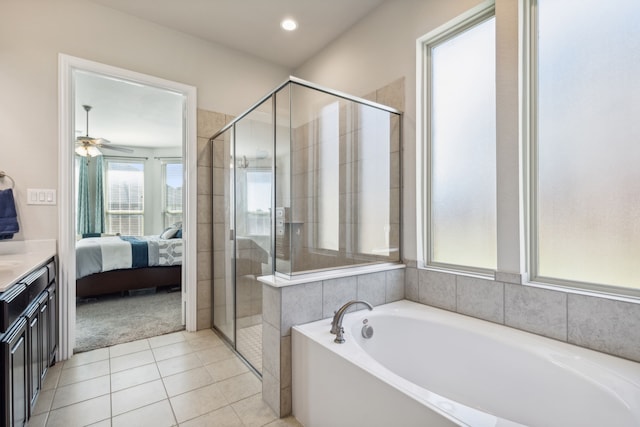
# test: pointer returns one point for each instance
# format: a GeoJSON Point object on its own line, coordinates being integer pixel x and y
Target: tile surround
{"type": "Point", "coordinates": [596, 323]}
{"type": "Point", "coordinates": [287, 306]}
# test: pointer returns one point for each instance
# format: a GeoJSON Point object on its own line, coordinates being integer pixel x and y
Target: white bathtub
{"type": "Point", "coordinates": [430, 367]}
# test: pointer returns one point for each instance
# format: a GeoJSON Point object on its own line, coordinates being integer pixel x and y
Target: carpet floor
{"type": "Point", "coordinates": [112, 319]}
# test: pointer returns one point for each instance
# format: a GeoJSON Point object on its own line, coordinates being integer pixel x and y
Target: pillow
{"type": "Point", "coordinates": [169, 233]}
{"type": "Point", "coordinates": [178, 234]}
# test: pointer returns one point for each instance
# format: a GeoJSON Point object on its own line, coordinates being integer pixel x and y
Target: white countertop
{"type": "Point", "coordinates": [18, 258]}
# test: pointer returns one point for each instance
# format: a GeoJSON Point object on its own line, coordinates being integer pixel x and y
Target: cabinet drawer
{"type": "Point", "coordinates": [12, 303]}
{"type": "Point", "coordinates": [37, 282]}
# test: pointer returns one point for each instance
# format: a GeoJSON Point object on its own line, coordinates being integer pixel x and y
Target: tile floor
{"type": "Point", "coordinates": [180, 379]}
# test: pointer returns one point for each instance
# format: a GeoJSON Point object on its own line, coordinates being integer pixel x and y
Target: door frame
{"type": "Point", "coordinates": [66, 164]}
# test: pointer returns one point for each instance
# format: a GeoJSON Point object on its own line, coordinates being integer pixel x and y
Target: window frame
{"type": "Point", "coordinates": [458, 25]}
{"type": "Point", "coordinates": [165, 211]}
{"type": "Point", "coordinates": [531, 167]}
{"type": "Point", "coordinates": [108, 212]}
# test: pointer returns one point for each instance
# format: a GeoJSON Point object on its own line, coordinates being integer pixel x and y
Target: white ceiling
{"type": "Point", "coordinates": [127, 113]}
{"type": "Point", "coordinates": [253, 26]}
{"type": "Point", "coordinates": [133, 115]}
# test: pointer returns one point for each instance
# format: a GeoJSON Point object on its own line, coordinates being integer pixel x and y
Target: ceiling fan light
{"type": "Point", "coordinates": [93, 151]}
{"type": "Point", "coordinates": [88, 150]}
{"type": "Point", "coordinates": [81, 151]}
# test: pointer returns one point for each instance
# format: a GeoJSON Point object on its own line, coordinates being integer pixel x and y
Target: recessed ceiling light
{"type": "Point", "coordinates": [289, 24]}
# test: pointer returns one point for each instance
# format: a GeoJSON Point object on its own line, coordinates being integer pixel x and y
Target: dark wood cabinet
{"type": "Point", "coordinates": [29, 344]}
{"type": "Point", "coordinates": [15, 361]}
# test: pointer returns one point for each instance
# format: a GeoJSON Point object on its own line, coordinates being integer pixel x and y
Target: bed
{"type": "Point", "coordinates": [112, 264]}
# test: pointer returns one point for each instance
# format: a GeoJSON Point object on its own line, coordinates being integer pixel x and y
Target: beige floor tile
{"type": "Point", "coordinates": [38, 420]}
{"type": "Point", "coordinates": [253, 411]}
{"type": "Point", "coordinates": [285, 422]}
{"type": "Point", "coordinates": [84, 372]}
{"type": "Point", "coordinates": [129, 347]}
{"type": "Point", "coordinates": [103, 423]}
{"type": "Point", "coordinates": [187, 381]}
{"type": "Point", "coordinates": [179, 364]}
{"type": "Point", "coordinates": [87, 357]}
{"type": "Point", "coordinates": [136, 397]}
{"type": "Point", "coordinates": [81, 414]}
{"type": "Point", "coordinates": [53, 375]}
{"type": "Point", "coordinates": [167, 339]}
{"type": "Point", "coordinates": [226, 369]}
{"type": "Point", "coordinates": [78, 392]}
{"type": "Point", "coordinates": [223, 417]}
{"type": "Point", "coordinates": [172, 350]}
{"type": "Point", "coordinates": [215, 354]}
{"type": "Point", "coordinates": [240, 387]}
{"type": "Point", "coordinates": [205, 341]}
{"type": "Point", "coordinates": [198, 334]}
{"type": "Point", "coordinates": [158, 414]}
{"type": "Point", "coordinates": [133, 360]}
{"type": "Point", "coordinates": [197, 402]}
{"type": "Point", "coordinates": [45, 399]}
{"type": "Point", "coordinates": [134, 376]}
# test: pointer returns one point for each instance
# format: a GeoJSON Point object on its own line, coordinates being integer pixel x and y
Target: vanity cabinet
{"type": "Point", "coordinates": [15, 361]}
{"type": "Point", "coordinates": [28, 342]}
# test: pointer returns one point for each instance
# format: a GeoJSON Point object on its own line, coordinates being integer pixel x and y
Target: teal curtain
{"type": "Point", "coordinates": [91, 196]}
{"type": "Point", "coordinates": [98, 226]}
{"type": "Point", "coordinates": [83, 226]}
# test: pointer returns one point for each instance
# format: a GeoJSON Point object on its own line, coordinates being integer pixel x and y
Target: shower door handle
{"type": "Point", "coordinates": [232, 235]}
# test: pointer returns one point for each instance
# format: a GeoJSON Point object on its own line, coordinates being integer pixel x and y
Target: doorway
{"type": "Point", "coordinates": [70, 69]}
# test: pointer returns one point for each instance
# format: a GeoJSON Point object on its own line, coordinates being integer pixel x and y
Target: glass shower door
{"type": "Point", "coordinates": [253, 178]}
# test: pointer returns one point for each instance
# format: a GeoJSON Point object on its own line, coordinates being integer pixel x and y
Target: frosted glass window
{"type": "Point", "coordinates": [462, 228]}
{"type": "Point", "coordinates": [588, 151]}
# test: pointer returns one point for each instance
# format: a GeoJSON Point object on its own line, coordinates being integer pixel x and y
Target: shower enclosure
{"type": "Point", "coordinates": [307, 180]}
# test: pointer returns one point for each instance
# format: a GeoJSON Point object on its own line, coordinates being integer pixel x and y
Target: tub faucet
{"type": "Point", "coordinates": [336, 323]}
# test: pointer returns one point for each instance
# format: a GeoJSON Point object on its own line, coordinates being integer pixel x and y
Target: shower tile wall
{"type": "Point", "coordinates": [307, 172]}
{"type": "Point", "coordinates": [208, 123]}
{"type": "Point", "coordinates": [600, 324]}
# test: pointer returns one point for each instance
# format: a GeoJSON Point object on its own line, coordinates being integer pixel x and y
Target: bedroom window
{"type": "Point", "coordinates": [171, 192]}
{"type": "Point", "coordinates": [459, 136]}
{"type": "Point", "coordinates": [585, 212]}
{"type": "Point", "coordinates": [124, 197]}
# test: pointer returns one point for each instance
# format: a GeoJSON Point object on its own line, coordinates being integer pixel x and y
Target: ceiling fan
{"type": "Point", "coordinates": [87, 146]}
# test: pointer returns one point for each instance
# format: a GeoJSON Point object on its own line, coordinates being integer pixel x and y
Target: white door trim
{"type": "Point", "coordinates": [66, 224]}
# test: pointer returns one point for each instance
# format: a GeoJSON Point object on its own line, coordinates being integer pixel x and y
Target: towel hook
{"type": "Point", "coordinates": [3, 174]}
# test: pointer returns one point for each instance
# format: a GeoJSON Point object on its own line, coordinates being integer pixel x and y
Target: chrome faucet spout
{"type": "Point", "coordinates": [336, 323]}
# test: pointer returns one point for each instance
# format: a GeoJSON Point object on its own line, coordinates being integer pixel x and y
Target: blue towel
{"type": "Point", "coordinates": [8, 216]}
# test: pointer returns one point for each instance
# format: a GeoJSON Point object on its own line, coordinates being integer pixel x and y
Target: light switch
{"type": "Point", "coordinates": [41, 196]}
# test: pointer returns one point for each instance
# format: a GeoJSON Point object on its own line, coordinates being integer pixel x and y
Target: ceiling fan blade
{"type": "Point", "coordinates": [116, 148]}
{"type": "Point", "coordinates": [86, 140]}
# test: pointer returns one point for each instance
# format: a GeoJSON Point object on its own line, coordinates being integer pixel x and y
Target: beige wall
{"type": "Point", "coordinates": [378, 50]}
{"type": "Point", "coordinates": [34, 32]}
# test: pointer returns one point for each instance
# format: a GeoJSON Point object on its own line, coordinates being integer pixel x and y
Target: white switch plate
{"type": "Point", "coordinates": [41, 196]}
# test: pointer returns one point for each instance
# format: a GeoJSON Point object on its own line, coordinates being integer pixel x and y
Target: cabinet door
{"type": "Point", "coordinates": [15, 387]}
{"type": "Point", "coordinates": [43, 333]}
{"type": "Point", "coordinates": [33, 341]}
{"type": "Point", "coordinates": [53, 323]}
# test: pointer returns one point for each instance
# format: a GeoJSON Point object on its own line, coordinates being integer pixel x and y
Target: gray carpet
{"type": "Point", "coordinates": [110, 320]}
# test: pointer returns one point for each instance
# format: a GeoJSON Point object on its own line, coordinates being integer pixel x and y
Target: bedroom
{"type": "Point", "coordinates": [128, 193]}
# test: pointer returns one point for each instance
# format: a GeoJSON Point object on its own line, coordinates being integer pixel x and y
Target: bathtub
{"type": "Point", "coordinates": [429, 367]}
